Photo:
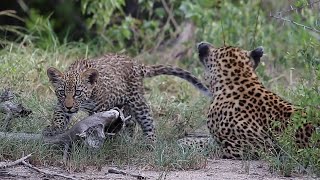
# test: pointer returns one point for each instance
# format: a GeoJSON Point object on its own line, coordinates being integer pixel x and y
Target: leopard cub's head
{"type": "Point", "coordinates": [72, 88]}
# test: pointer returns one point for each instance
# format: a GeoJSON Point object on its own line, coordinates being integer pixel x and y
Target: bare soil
{"type": "Point", "coordinates": [215, 169]}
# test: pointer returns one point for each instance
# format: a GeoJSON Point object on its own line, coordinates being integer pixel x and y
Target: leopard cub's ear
{"type": "Point", "coordinates": [90, 76]}
{"type": "Point", "coordinates": [54, 75]}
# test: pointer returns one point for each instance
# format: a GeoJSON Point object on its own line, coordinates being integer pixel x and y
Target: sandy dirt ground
{"type": "Point", "coordinates": [215, 169]}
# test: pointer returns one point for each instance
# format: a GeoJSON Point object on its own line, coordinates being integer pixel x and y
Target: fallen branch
{"type": "Point", "coordinates": [4, 173]}
{"type": "Point", "coordinates": [46, 172]}
{"type": "Point", "coordinates": [14, 163]}
{"type": "Point", "coordinates": [23, 162]}
{"type": "Point", "coordinates": [91, 125]}
{"type": "Point", "coordinates": [11, 108]}
{"type": "Point", "coordinates": [20, 136]}
{"type": "Point", "coordinates": [90, 130]}
{"type": "Point", "coordinates": [118, 171]}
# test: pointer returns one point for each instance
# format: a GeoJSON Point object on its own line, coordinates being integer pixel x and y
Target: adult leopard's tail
{"type": "Point", "coordinates": [156, 70]}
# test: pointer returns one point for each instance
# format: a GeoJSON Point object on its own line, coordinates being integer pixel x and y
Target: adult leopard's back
{"type": "Point", "coordinates": [242, 115]}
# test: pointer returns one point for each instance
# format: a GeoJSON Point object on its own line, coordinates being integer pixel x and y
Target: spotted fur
{"type": "Point", "coordinates": [99, 84]}
{"type": "Point", "coordinates": [242, 113]}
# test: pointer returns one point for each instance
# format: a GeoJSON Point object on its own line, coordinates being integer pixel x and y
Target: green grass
{"type": "Point", "coordinates": [291, 159]}
{"type": "Point", "coordinates": [177, 108]}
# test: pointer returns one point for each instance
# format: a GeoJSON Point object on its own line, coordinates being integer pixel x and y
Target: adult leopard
{"type": "Point", "coordinates": [242, 113]}
{"type": "Point", "coordinates": [102, 83]}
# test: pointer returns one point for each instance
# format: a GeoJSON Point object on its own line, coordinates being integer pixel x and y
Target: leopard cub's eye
{"type": "Point", "coordinates": [78, 92]}
{"type": "Point", "coordinates": [60, 92]}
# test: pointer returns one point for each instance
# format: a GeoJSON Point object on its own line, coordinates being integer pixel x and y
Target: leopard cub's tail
{"type": "Point", "coordinates": [156, 70]}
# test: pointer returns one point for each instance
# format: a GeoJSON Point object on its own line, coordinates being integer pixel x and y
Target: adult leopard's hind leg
{"type": "Point", "coordinates": [225, 149]}
{"type": "Point", "coordinates": [245, 146]}
{"type": "Point", "coordinates": [142, 114]}
{"type": "Point", "coordinates": [201, 144]}
{"type": "Point", "coordinates": [230, 150]}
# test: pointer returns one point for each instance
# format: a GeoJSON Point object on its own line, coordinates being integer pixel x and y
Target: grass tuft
{"type": "Point", "coordinates": [176, 105]}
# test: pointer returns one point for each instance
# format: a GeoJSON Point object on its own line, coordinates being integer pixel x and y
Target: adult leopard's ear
{"type": "Point", "coordinates": [203, 49]}
{"type": "Point", "coordinates": [256, 54]}
{"type": "Point", "coordinates": [55, 76]}
{"type": "Point", "coordinates": [90, 76]}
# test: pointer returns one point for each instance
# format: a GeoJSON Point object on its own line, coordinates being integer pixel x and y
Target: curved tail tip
{"type": "Point", "coordinates": [207, 93]}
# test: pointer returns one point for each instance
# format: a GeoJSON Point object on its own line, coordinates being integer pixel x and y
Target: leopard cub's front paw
{"type": "Point", "coordinates": [50, 131]}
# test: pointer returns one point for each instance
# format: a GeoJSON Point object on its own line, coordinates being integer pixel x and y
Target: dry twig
{"type": "Point", "coordinates": [279, 15]}
{"type": "Point", "coordinates": [161, 35]}
{"type": "Point", "coordinates": [14, 163]}
{"type": "Point", "coordinates": [170, 14]}
{"type": "Point", "coordinates": [47, 172]}
{"type": "Point", "coordinates": [295, 23]}
{"type": "Point", "coordinates": [118, 171]}
{"type": "Point", "coordinates": [23, 162]}
{"type": "Point", "coordinates": [276, 78]}
{"type": "Point", "coordinates": [297, 8]}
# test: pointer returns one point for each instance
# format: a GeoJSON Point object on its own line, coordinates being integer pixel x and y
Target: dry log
{"type": "Point", "coordinates": [4, 173]}
{"type": "Point", "coordinates": [91, 130]}
{"type": "Point", "coordinates": [11, 108]}
{"type": "Point", "coordinates": [20, 136]}
{"type": "Point", "coordinates": [14, 163]}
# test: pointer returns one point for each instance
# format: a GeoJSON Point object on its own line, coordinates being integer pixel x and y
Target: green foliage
{"type": "Point", "coordinates": [292, 159]}
{"type": "Point", "coordinates": [199, 12]}
{"type": "Point", "coordinates": [300, 3]}
{"type": "Point", "coordinates": [177, 107]}
{"type": "Point", "coordinates": [140, 33]}
{"type": "Point", "coordinates": [41, 31]}
{"type": "Point", "coordinates": [307, 58]}
{"type": "Point", "coordinates": [18, 30]}
{"type": "Point", "coordinates": [101, 12]}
